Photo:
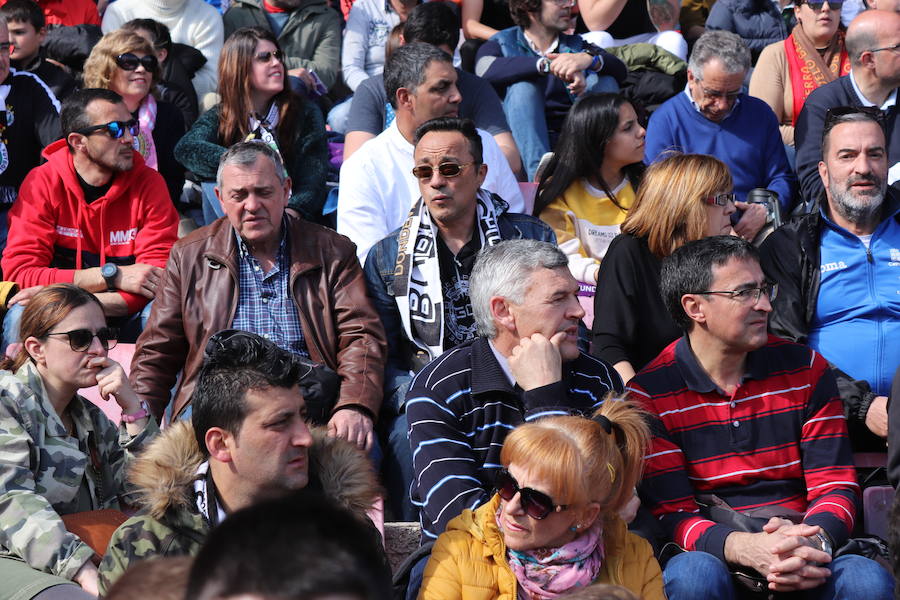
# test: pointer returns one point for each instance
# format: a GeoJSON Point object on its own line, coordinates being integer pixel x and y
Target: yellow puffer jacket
{"type": "Point", "coordinates": [468, 561]}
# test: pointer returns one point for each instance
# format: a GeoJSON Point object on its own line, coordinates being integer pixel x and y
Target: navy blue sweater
{"type": "Point", "coordinates": [747, 140]}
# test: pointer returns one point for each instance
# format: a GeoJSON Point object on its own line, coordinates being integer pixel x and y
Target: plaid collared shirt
{"type": "Point", "coordinates": [265, 305]}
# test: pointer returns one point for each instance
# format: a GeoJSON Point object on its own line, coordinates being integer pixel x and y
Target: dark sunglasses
{"type": "Point", "coordinates": [265, 57]}
{"type": "Point", "coordinates": [80, 339]}
{"type": "Point", "coordinates": [114, 129]}
{"type": "Point", "coordinates": [446, 169]}
{"type": "Point", "coordinates": [130, 62]}
{"type": "Point", "coordinates": [536, 505]}
{"type": "Point", "coordinates": [817, 6]}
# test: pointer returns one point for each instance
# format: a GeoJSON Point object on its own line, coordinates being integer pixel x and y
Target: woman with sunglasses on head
{"type": "Point", "coordinates": [682, 198]}
{"type": "Point", "coordinates": [256, 103]}
{"type": "Point", "coordinates": [126, 63]}
{"type": "Point", "coordinates": [588, 186]}
{"type": "Point", "coordinates": [59, 454]}
{"type": "Point", "coordinates": [553, 525]}
{"type": "Point", "coordinates": [813, 55]}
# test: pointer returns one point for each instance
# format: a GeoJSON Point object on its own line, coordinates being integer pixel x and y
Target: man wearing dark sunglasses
{"type": "Point", "coordinates": [262, 270]}
{"type": "Point", "coordinates": [873, 45]}
{"type": "Point", "coordinates": [524, 365]}
{"type": "Point", "coordinates": [838, 269]}
{"type": "Point", "coordinates": [93, 215]}
{"type": "Point", "coordinates": [29, 121]}
{"type": "Point", "coordinates": [427, 263]}
{"type": "Point", "coordinates": [422, 85]}
{"type": "Point", "coordinates": [746, 421]}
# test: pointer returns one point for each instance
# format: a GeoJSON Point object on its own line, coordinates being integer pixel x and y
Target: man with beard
{"type": "Point", "coordinates": [837, 271]}
{"type": "Point", "coordinates": [94, 215]}
{"type": "Point", "coordinates": [540, 70]}
{"type": "Point", "coordinates": [308, 31]}
{"type": "Point", "coordinates": [873, 45]}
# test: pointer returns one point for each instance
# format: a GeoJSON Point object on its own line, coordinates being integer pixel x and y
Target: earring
{"type": "Point", "coordinates": [573, 528]}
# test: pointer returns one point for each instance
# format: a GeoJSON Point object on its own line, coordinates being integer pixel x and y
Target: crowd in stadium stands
{"type": "Point", "coordinates": [600, 296]}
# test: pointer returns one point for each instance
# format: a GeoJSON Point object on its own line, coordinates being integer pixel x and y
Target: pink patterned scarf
{"type": "Point", "coordinates": [551, 572]}
{"type": "Point", "coordinates": [143, 143]}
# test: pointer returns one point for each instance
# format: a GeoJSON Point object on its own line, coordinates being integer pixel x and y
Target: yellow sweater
{"type": "Point", "coordinates": [586, 221]}
{"type": "Point", "coordinates": [468, 561]}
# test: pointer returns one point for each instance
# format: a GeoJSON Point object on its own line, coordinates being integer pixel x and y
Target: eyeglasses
{"type": "Point", "coordinates": [717, 94]}
{"type": "Point", "coordinates": [130, 62]}
{"type": "Point", "coordinates": [536, 505]}
{"type": "Point", "coordinates": [749, 295]}
{"type": "Point", "coordinates": [895, 48]}
{"type": "Point", "coordinates": [81, 339]}
{"type": "Point", "coordinates": [7, 48]}
{"type": "Point", "coordinates": [114, 129]}
{"type": "Point", "coordinates": [265, 57]}
{"type": "Point", "coordinates": [721, 199]}
{"type": "Point", "coordinates": [817, 6]}
{"type": "Point", "coordinates": [564, 3]}
{"type": "Point", "coordinates": [446, 169]}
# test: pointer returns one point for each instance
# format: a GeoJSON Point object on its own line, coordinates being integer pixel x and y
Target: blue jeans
{"type": "Point", "coordinates": [702, 576]}
{"type": "Point", "coordinates": [212, 208]}
{"type": "Point", "coordinates": [339, 115]}
{"type": "Point", "coordinates": [524, 104]}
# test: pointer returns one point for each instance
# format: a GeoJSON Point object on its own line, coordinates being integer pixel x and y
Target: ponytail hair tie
{"type": "Point", "coordinates": [604, 422]}
{"type": "Point", "coordinates": [611, 428]}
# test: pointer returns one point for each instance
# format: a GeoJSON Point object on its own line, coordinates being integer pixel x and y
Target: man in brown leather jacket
{"type": "Point", "coordinates": [263, 270]}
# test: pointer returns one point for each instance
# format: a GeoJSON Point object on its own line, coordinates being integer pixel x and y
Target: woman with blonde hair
{"type": "Point", "coordinates": [553, 525]}
{"type": "Point", "coordinates": [682, 198]}
{"type": "Point", "coordinates": [126, 63]}
{"type": "Point", "coordinates": [256, 103]}
{"type": "Point", "coordinates": [59, 454]}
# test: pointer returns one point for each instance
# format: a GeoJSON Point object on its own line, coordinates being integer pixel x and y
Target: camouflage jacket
{"type": "Point", "coordinates": [45, 473]}
{"type": "Point", "coordinates": [170, 524]}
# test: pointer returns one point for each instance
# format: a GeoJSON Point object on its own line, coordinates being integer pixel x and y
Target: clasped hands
{"type": "Point", "coordinates": [784, 552]}
{"type": "Point", "coordinates": [570, 67]}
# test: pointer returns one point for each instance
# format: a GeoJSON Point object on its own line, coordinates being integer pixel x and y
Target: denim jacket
{"type": "Point", "coordinates": [404, 355]}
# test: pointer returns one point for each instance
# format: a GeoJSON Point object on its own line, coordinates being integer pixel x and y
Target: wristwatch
{"type": "Point", "coordinates": [109, 272]}
{"type": "Point", "coordinates": [543, 65]}
{"type": "Point", "coordinates": [824, 543]}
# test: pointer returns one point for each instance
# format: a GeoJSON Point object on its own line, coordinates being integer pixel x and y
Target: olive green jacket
{"type": "Point", "coordinates": [45, 473]}
{"type": "Point", "coordinates": [170, 523]}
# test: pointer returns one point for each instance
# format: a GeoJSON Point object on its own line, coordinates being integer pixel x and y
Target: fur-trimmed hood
{"type": "Point", "coordinates": [164, 472]}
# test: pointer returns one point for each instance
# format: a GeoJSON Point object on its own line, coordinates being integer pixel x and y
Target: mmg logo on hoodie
{"type": "Point", "coordinates": [122, 237]}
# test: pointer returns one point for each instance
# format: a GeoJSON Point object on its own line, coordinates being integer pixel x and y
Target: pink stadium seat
{"type": "Point", "coordinates": [122, 354]}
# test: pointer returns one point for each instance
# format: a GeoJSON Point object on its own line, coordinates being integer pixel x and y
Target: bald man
{"type": "Point", "coordinates": [873, 43]}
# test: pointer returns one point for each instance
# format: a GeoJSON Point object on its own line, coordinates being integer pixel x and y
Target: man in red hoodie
{"type": "Point", "coordinates": [93, 215]}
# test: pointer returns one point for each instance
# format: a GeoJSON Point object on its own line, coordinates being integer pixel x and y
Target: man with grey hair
{"type": "Point", "coordinates": [837, 273]}
{"type": "Point", "coordinates": [524, 365]}
{"type": "Point", "coordinates": [262, 270]}
{"type": "Point", "coordinates": [377, 184]}
{"type": "Point", "coordinates": [873, 45]}
{"type": "Point", "coordinates": [713, 116]}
